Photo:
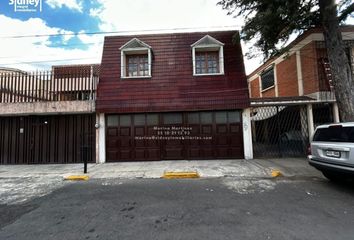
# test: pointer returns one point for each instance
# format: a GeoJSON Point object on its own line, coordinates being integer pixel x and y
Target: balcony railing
{"type": "Point", "coordinates": [23, 87]}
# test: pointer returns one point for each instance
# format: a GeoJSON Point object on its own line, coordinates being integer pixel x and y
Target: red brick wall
{"type": "Point", "coordinates": [254, 86]}
{"type": "Point", "coordinates": [309, 68]}
{"type": "Point", "coordinates": [269, 93]}
{"type": "Point", "coordinates": [287, 77]}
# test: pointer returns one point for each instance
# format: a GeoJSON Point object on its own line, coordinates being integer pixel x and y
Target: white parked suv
{"type": "Point", "coordinates": [332, 150]}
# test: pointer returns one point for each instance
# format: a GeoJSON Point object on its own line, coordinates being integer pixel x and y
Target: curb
{"type": "Point", "coordinates": [77, 178]}
{"type": "Point", "coordinates": [276, 173]}
{"type": "Point", "coordinates": [178, 175]}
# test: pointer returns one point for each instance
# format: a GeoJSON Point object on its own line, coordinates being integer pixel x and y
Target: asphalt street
{"type": "Point", "coordinates": [215, 208]}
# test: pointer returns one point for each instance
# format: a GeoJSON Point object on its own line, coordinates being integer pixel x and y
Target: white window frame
{"type": "Point", "coordinates": [268, 68]}
{"type": "Point", "coordinates": [215, 46]}
{"type": "Point", "coordinates": [126, 50]}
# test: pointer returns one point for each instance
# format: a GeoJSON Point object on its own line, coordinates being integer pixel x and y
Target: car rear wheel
{"type": "Point", "coordinates": [332, 176]}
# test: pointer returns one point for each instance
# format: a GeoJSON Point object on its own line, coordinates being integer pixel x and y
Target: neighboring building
{"type": "Point", "coordinates": [292, 93]}
{"type": "Point", "coordinates": [10, 90]}
{"type": "Point", "coordinates": [82, 88]}
{"type": "Point", "coordinates": [39, 123]}
{"type": "Point", "coordinates": [11, 70]}
{"type": "Point", "coordinates": [173, 96]}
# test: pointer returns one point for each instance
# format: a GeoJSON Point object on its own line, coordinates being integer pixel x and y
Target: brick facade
{"type": "Point", "coordinates": [269, 93]}
{"type": "Point", "coordinates": [287, 77]}
{"type": "Point", "coordinates": [254, 88]}
{"type": "Point", "coordinates": [309, 68]}
{"type": "Point", "coordinates": [286, 72]}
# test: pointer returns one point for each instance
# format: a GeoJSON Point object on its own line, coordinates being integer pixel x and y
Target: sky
{"type": "Point", "coordinates": [21, 47]}
{"type": "Point", "coordinates": [27, 41]}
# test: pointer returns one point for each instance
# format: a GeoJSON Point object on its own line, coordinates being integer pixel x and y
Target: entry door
{"type": "Point", "coordinates": [38, 146]}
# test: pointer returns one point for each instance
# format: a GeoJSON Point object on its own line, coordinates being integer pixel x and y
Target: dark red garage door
{"type": "Point", "coordinates": [170, 136]}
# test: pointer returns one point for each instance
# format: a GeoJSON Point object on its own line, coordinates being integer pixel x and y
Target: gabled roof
{"type": "Point", "coordinates": [207, 40]}
{"type": "Point", "coordinates": [135, 43]}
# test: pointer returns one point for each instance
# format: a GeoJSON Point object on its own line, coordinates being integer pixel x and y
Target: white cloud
{"type": "Point", "coordinates": [31, 53]}
{"type": "Point", "coordinates": [16, 27]}
{"type": "Point", "coordinates": [67, 35]}
{"type": "Point", "coordinates": [94, 12]}
{"type": "Point", "coordinates": [120, 15]}
{"type": "Point", "coordinates": [161, 14]}
{"type": "Point", "coordinates": [124, 15]}
{"type": "Point", "coordinates": [92, 38]}
{"type": "Point", "coordinates": [71, 4]}
{"type": "Point", "coordinates": [186, 15]}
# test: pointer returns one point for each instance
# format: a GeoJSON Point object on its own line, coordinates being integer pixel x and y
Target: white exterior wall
{"type": "Point", "coordinates": [336, 118]}
{"type": "Point", "coordinates": [310, 123]}
{"type": "Point", "coordinates": [247, 134]}
{"type": "Point", "coordinates": [101, 143]}
{"type": "Point", "coordinates": [300, 81]}
{"type": "Point", "coordinates": [58, 107]}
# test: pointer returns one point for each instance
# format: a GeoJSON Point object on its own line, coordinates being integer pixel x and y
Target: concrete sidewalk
{"type": "Point", "coordinates": [21, 183]}
{"type": "Point", "coordinates": [258, 168]}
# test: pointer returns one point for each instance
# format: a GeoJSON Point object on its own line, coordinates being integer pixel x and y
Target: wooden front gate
{"type": "Point", "coordinates": [47, 139]}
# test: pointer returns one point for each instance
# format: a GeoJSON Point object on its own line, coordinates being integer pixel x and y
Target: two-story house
{"type": "Point", "coordinates": [172, 96]}
{"type": "Point", "coordinates": [292, 93]}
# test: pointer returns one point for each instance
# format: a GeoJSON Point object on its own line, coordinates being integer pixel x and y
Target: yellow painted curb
{"type": "Point", "coordinates": [77, 178]}
{"type": "Point", "coordinates": [174, 175]}
{"type": "Point", "coordinates": [276, 173]}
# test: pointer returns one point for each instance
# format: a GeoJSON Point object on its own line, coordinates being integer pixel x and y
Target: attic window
{"type": "Point", "coordinates": [208, 57]}
{"type": "Point", "coordinates": [135, 59]}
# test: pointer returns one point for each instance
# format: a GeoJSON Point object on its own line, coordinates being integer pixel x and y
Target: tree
{"type": "Point", "coordinates": [271, 22]}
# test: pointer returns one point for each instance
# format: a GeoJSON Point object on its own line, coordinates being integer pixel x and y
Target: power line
{"type": "Point", "coordinates": [100, 42]}
{"type": "Point", "coordinates": [78, 44]}
{"type": "Point", "coordinates": [47, 61]}
{"type": "Point", "coordinates": [60, 45]}
{"type": "Point", "coordinates": [78, 59]}
{"type": "Point", "coordinates": [120, 32]}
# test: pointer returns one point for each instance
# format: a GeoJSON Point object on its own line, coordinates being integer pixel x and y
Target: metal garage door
{"type": "Point", "coordinates": [172, 136]}
{"type": "Point", "coordinates": [47, 139]}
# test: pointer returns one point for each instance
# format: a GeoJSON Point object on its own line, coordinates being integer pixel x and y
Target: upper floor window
{"type": "Point", "coordinates": [267, 78]}
{"type": "Point", "coordinates": [137, 65]}
{"type": "Point", "coordinates": [208, 56]}
{"type": "Point", "coordinates": [206, 62]}
{"type": "Point", "coordinates": [135, 59]}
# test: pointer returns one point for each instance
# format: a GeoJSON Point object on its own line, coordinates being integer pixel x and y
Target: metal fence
{"type": "Point", "coordinates": [282, 131]}
{"type": "Point", "coordinates": [17, 87]}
